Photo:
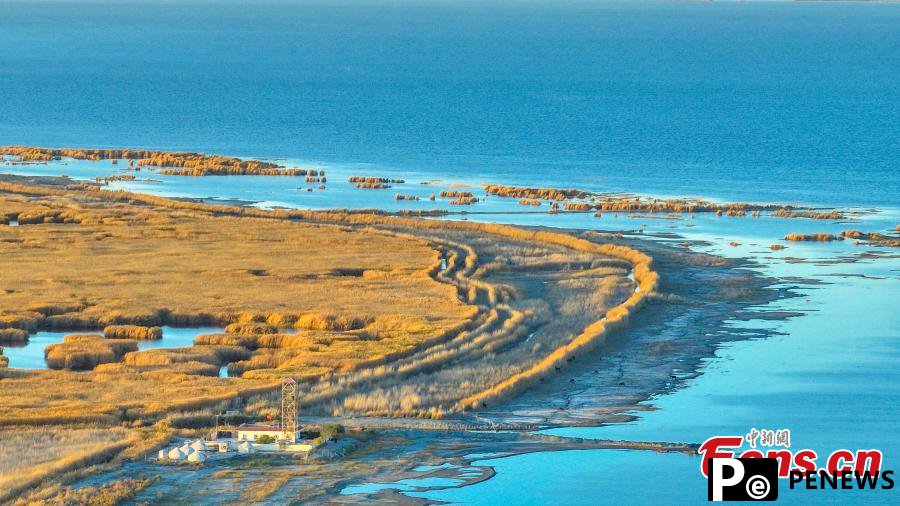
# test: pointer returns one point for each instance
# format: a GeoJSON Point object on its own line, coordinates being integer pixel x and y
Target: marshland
{"type": "Point", "coordinates": [465, 322]}
{"type": "Point", "coordinates": [458, 317]}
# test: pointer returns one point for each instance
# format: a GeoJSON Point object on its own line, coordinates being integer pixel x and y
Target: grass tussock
{"type": "Point", "coordinates": [319, 321]}
{"type": "Point", "coordinates": [365, 179]}
{"type": "Point", "coordinates": [872, 238]}
{"type": "Point", "coordinates": [650, 205]}
{"type": "Point", "coordinates": [373, 183]}
{"type": "Point", "coordinates": [179, 164]}
{"type": "Point", "coordinates": [813, 237]}
{"type": "Point", "coordinates": [9, 336]}
{"type": "Point", "coordinates": [459, 198]}
{"type": "Point", "coordinates": [251, 328]}
{"type": "Point", "coordinates": [577, 206]}
{"type": "Point", "coordinates": [83, 352]}
{"type": "Point", "coordinates": [815, 215]}
{"type": "Point", "coordinates": [244, 341]}
{"type": "Point", "coordinates": [216, 355]}
{"type": "Point", "coordinates": [455, 194]}
{"type": "Point", "coordinates": [133, 332]}
{"type": "Point", "coordinates": [522, 192]}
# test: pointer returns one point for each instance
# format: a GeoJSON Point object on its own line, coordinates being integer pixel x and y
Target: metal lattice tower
{"type": "Point", "coordinates": [289, 409]}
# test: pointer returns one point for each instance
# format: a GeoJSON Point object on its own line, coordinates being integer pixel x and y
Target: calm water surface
{"type": "Point", "coordinates": [31, 355]}
{"type": "Point", "coordinates": [745, 101]}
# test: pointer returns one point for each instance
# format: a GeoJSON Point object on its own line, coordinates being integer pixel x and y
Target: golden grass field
{"type": "Point", "coordinates": [30, 453]}
{"type": "Point", "coordinates": [373, 314]}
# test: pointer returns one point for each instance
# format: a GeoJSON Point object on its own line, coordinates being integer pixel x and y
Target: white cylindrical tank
{"type": "Point", "coordinates": [161, 455]}
{"type": "Point", "coordinates": [245, 447]}
{"type": "Point", "coordinates": [175, 454]}
{"type": "Point", "coordinates": [196, 457]}
{"type": "Point", "coordinates": [198, 446]}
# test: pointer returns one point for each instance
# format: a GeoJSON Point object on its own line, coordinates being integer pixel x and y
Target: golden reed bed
{"type": "Point", "coordinates": [176, 164]}
{"type": "Point", "coordinates": [375, 314]}
{"type": "Point", "coordinates": [230, 305]}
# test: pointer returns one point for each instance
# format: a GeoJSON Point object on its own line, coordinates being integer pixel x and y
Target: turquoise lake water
{"type": "Point", "coordinates": [31, 354]}
{"type": "Point", "coordinates": [768, 102]}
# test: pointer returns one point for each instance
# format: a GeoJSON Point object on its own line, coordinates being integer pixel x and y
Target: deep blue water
{"type": "Point", "coordinates": [753, 101]}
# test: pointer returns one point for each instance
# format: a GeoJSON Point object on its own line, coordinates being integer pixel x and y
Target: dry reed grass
{"type": "Point", "coordinates": [179, 164]}
{"type": "Point", "coordinates": [813, 237]}
{"type": "Point", "coordinates": [13, 335]}
{"type": "Point", "coordinates": [577, 206]}
{"type": "Point", "coordinates": [533, 193]}
{"type": "Point", "coordinates": [790, 213]}
{"type": "Point", "coordinates": [363, 346]}
{"type": "Point", "coordinates": [872, 238]}
{"type": "Point", "coordinates": [35, 453]}
{"type": "Point", "coordinates": [81, 352]}
{"type": "Point", "coordinates": [121, 264]}
{"type": "Point", "coordinates": [133, 332]}
{"type": "Point", "coordinates": [649, 205]}
{"type": "Point", "coordinates": [251, 328]}
{"type": "Point", "coordinates": [365, 179]}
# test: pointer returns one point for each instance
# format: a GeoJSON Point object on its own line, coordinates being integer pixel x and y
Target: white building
{"type": "Point", "coordinates": [252, 432]}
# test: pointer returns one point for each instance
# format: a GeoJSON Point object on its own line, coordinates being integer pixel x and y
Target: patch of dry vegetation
{"type": "Point", "coordinates": [815, 215]}
{"type": "Point", "coordinates": [9, 336]}
{"type": "Point", "coordinates": [108, 494]}
{"type": "Point", "coordinates": [866, 238]}
{"type": "Point", "coordinates": [373, 183]}
{"type": "Point", "coordinates": [178, 164]}
{"type": "Point", "coordinates": [521, 192]}
{"type": "Point", "coordinates": [649, 205]}
{"type": "Point", "coordinates": [33, 453]}
{"type": "Point", "coordinates": [461, 314]}
{"type": "Point", "coordinates": [133, 332]}
{"type": "Point", "coordinates": [872, 238]}
{"type": "Point", "coordinates": [813, 237]}
{"type": "Point", "coordinates": [82, 352]}
{"type": "Point", "coordinates": [129, 264]}
{"type": "Point", "coordinates": [123, 264]}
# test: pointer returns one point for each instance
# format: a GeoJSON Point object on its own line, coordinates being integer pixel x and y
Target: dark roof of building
{"type": "Point", "coordinates": [258, 426]}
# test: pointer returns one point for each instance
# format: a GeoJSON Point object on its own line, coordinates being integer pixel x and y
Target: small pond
{"type": "Point", "coordinates": [31, 354]}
